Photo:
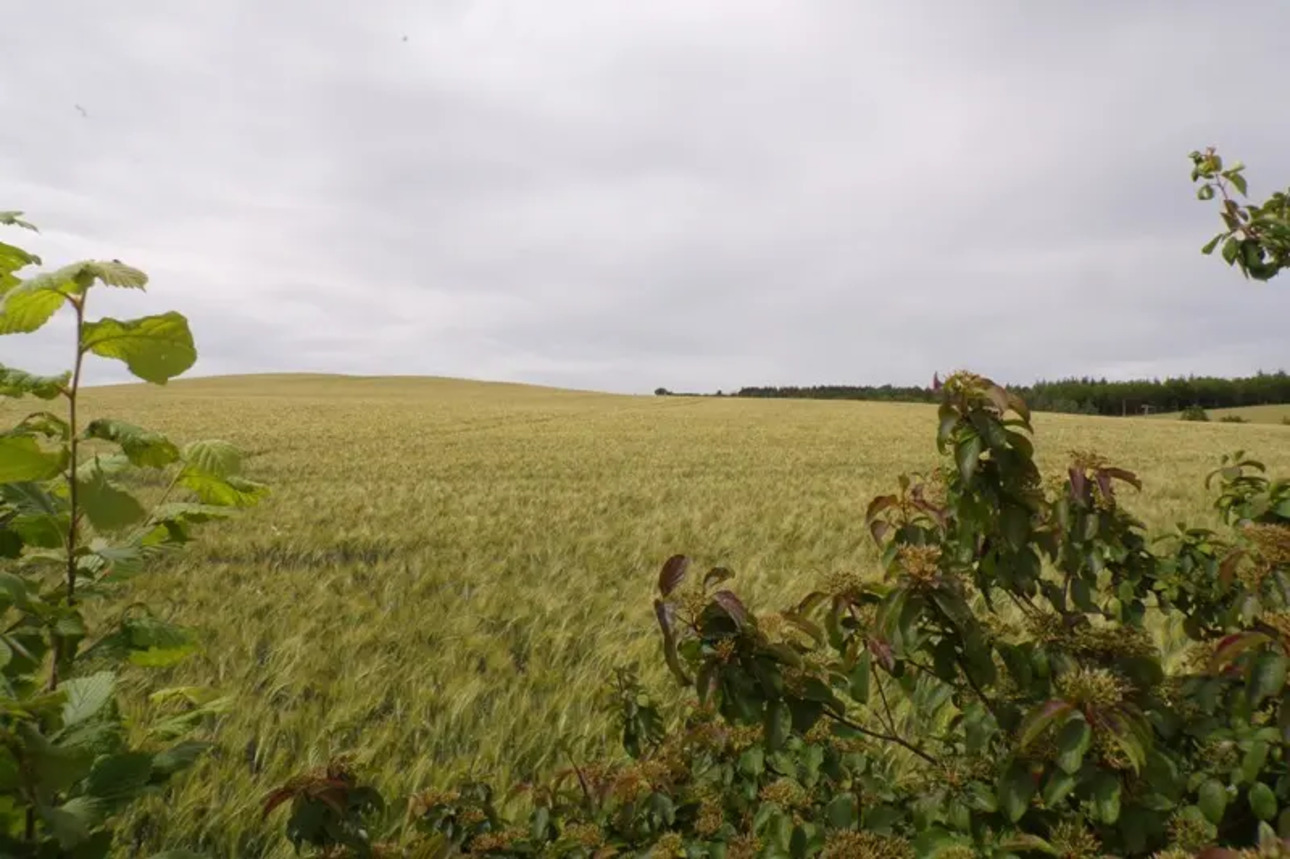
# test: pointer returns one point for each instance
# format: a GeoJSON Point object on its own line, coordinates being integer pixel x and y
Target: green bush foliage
{"type": "Point", "coordinates": [71, 535]}
{"type": "Point", "coordinates": [1194, 413]}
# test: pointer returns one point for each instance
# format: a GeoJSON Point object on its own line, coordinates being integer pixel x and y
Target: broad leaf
{"type": "Point", "coordinates": [29, 305]}
{"type": "Point", "coordinates": [13, 258]}
{"type": "Point", "coordinates": [1263, 802]}
{"type": "Point", "coordinates": [119, 777]}
{"type": "Point", "coordinates": [22, 459]}
{"type": "Point", "coordinates": [672, 574]}
{"type": "Point", "coordinates": [1212, 800]}
{"type": "Point", "coordinates": [143, 447]}
{"type": "Point", "coordinates": [213, 456]}
{"type": "Point", "coordinates": [223, 491]}
{"type": "Point", "coordinates": [86, 696]}
{"type": "Point", "coordinates": [19, 383]}
{"type": "Point", "coordinates": [108, 507]}
{"type": "Point", "coordinates": [154, 348]}
{"type": "Point", "coordinates": [1015, 790]}
{"type": "Point", "coordinates": [1073, 741]}
{"type": "Point", "coordinates": [1106, 796]}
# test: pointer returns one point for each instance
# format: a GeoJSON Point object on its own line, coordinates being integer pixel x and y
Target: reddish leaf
{"type": "Point", "coordinates": [663, 611]}
{"type": "Point", "coordinates": [672, 574]}
{"type": "Point", "coordinates": [276, 798]}
{"type": "Point", "coordinates": [1231, 647]}
{"type": "Point", "coordinates": [1127, 476]}
{"type": "Point", "coordinates": [1104, 483]}
{"type": "Point", "coordinates": [878, 505]}
{"type": "Point", "coordinates": [1079, 487]}
{"type": "Point", "coordinates": [732, 606]}
{"type": "Point", "coordinates": [882, 652]}
{"type": "Point", "coordinates": [878, 530]}
{"type": "Point", "coordinates": [1227, 569]}
{"type": "Point", "coordinates": [998, 397]}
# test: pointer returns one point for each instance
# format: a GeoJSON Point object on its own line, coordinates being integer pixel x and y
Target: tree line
{"type": "Point", "coordinates": [1074, 395]}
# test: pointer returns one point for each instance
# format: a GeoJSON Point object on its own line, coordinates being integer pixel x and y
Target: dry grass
{"type": "Point", "coordinates": [448, 570]}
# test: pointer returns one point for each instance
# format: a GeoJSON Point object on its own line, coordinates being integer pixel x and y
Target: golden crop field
{"type": "Point", "coordinates": [448, 570]}
{"type": "Point", "coordinates": [1254, 414]}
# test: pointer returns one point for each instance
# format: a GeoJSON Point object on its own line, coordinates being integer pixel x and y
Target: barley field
{"type": "Point", "coordinates": [1254, 414]}
{"type": "Point", "coordinates": [448, 570]}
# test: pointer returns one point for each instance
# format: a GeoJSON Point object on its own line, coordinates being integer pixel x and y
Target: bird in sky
{"type": "Point", "coordinates": [82, 110]}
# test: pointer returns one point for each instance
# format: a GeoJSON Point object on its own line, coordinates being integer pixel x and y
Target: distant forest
{"type": "Point", "coordinates": [1075, 396]}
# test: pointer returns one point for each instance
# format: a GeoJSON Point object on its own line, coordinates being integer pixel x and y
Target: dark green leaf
{"type": "Point", "coordinates": [968, 455]}
{"type": "Point", "coordinates": [1015, 789]}
{"type": "Point", "coordinates": [119, 777]}
{"type": "Point", "coordinates": [1106, 796]}
{"type": "Point", "coordinates": [841, 811]}
{"type": "Point", "coordinates": [1268, 676]}
{"type": "Point", "coordinates": [1073, 741]}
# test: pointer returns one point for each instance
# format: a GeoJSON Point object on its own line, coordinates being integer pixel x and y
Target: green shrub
{"type": "Point", "coordinates": [70, 534]}
{"type": "Point", "coordinates": [1194, 413]}
{"type": "Point", "coordinates": [1233, 419]}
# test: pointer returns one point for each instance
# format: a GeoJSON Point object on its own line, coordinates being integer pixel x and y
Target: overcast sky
{"type": "Point", "coordinates": [690, 193]}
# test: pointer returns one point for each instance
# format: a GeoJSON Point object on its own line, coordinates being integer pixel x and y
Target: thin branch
{"type": "Point", "coordinates": [877, 735]}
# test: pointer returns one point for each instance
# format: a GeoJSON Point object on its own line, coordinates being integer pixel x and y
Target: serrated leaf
{"type": "Point", "coordinates": [19, 383]}
{"type": "Point", "coordinates": [154, 348]}
{"type": "Point", "coordinates": [223, 491]}
{"type": "Point", "coordinates": [108, 507]}
{"type": "Point", "coordinates": [143, 447]}
{"type": "Point", "coordinates": [22, 459]}
{"type": "Point", "coordinates": [86, 696]}
{"type": "Point", "coordinates": [30, 304]}
{"type": "Point", "coordinates": [213, 456]}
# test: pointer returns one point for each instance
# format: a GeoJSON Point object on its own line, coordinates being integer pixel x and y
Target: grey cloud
{"type": "Point", "coordinates": [692, 194]}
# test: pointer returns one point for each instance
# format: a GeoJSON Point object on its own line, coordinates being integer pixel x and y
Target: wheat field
{"type": "Point", "coordinates": [447, 571]}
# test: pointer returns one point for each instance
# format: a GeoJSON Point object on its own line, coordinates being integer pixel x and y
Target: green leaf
{"type": "Point", "coordinates": [1058, 787]}
{"type": "Point", "coordinates": [778, 724]}
{"type": "Point", "coordinates": [179, 757]}
{"type": "Point", "coordinates": [1263, 802]}
{"type": "Point", "coordinates": [213, 456]}
{"type": "Point", "coordinates": [19, 383]}
{"type": "Point", "coordinates": [108, 507]}
{"type": "Point", "coordinates": [968, 455]}
{"type": "Point", "coordinates": [1212, 799]}
{"type": "Point", "coordinates": [14, 219]}
{"type": "Point", "coordinates": [1015, 790]}
{"type": "Point", "coordinates": [1073, 741]}
{"type": "Point", "coordinates": [143, 447]}
{"type": "Point", "coordinates": [1231, 248]}
{"type": "Point", "coordinates": [72, 822]}
{"type": "Point", "coordinates": [23, 459]}
{"type": "Point", "coordinates": [14, 258]}
{"type": "Point", "coordinates": [1039, 720]}
{"type": "Point", "coordinates": [86, 696]}
{"type": "Point", "coordinates": [1106, 796]}
{"type": "Point", "coordinates": [1267, 677]}
{"type": "Point", "coordinates": [1211, 244]}
{"type": "Point", "coordinates": [120, 777]}
{"type": "Point", "coordinates": [29, 305]}
{"type": "Point", "coordinates": [1238, 181]}
{"type": "Point", "coordinates": [841, 812]}
{"type": "Point", "coordinates": [225, 491]}
{"type": "Point", "coordinates": [1252, 763]}
{"type": "Point", "coordinates": [154, 348]}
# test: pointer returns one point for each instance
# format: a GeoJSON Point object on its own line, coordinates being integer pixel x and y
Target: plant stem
{"type": "Point", "coordinates": [78, 303]}
{"type": "Point", "coordinates": [877, 735]}
{"type": "Point", "coordinates": [74, 443]}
